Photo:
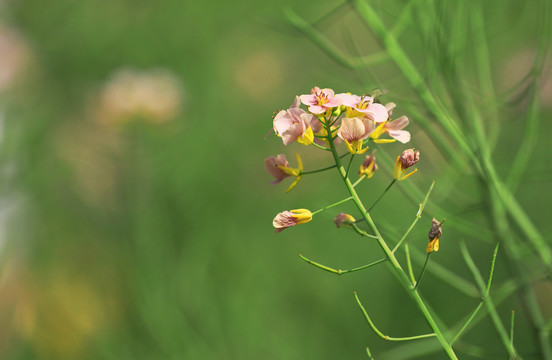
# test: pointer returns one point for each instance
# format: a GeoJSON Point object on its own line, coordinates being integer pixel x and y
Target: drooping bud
{"type": "Point", "coordinates": [434, 235]}
{"type": "Point", "coordinates": [344, 219]}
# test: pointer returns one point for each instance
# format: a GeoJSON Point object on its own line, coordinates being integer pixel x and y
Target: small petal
{"type": "Point", "coordinates": [376, 112]}
{"type": "Point", "coordinates": [400, 135]}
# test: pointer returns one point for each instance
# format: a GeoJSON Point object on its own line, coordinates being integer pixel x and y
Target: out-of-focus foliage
{"type": "Point", "coordinates": [135, 213]}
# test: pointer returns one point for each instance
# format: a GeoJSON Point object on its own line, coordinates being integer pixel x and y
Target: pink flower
{"type": "Point", "coordinates": [274, 165]}
{"type": "Point", "coordinates": [294, 125]}
{"type": "Point", "coordinates": [365, 105]}
{"type": "Point", "coordinates": [321, 100]}
{"type": "Point", "coordinates": [354, 131]}
{"type": "Point", "coordinates": [279, 168]}
{"type": "Point", "coordinates": [290, 218]}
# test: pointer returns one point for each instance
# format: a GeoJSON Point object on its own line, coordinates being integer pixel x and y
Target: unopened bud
{"type": "Point", "coordinates": [434, 234]}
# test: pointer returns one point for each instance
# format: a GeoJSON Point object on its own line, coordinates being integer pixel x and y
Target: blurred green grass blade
{"type": "Point", "coordinates": [329, 48]}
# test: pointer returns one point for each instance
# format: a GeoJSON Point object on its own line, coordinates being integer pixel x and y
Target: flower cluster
{"type": "Point", "coordinates": [324, 119]}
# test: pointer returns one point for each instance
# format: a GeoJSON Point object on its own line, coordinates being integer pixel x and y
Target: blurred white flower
{"type": "Point", "coordinates": [14, 57]}
{"type": "Point", "coordinates": [153, 95]}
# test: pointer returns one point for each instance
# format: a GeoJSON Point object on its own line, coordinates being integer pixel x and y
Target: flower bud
{"type": "Point", "coordinates": [407, 159]}
{"type": "Point", "coordinates": [434, 235]}
{"type": "Point", "coordinates": [290, 218]}
{"type": "Point", "coordinates": [368, 167]}
{"type": "Point", "coordinates": [344, 219]}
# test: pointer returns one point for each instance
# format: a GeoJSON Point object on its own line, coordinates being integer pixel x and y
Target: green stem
{"type": "Point", "coordinates": [512, 329]}
{"type": "Point", "coordinates": [369, 353]}
{"type": "Point", "coordinates": [417, 217]}
{"type": "Point", "coordinates": [321, 147]}
{"type": "Point", "coordinates": [488, 303]}
{"type": "Point", "coordinates": [362, 232]}
{"type": "Point", "coordinates": [409, 263]}
{"type": "Point", "coordinates": [423, 272]}
{"type": "Point", "coordinates": [396, 267]}
{"type": "Point", "coordinates": [383, 193]}
{"type": "Point", "coordinates": [339, 271]}
{"type": "Point", "coordinates": [467, 323]}
{"type": "Point", "coordinates": [350, 162]}
{"type": "Point", "coordinates": [386, 337]}
{"type": "Point", "coordinates": [317, 171]}
{"type": "Point", "coordinates": [485, 295]}
{"type": "Point", "coordinates": [332, 205]}
{"type": "Point", "coordinates": [359, 180]}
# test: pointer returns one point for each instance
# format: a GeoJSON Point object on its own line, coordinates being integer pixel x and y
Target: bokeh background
{"type": "Point", "coordinates": [135, 212]}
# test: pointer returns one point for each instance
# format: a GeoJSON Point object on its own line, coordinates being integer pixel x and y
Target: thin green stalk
{"type": "Point", "coordinates": [386, 337]}
{"type": "Point", "coordinates": [396, 267]}
{"type": "Point", "coordinates": [488, 303]}
{"type": "Point", "coordinates": [467, 323]}
{"type": "Point", "coordinates": [369, 353]}
{"type": "Point", "coordinates": [383, 193]}
{"type": "Point", "coordinates": [512, 329]}
{"type": "Point", "coordinates": [485, 295]}
{"type": "Point", "coordinates": [409, 263]}
{"type": "Point", "coordinates": [321, 147]}
{"type": "Point", "coordinates": [325, 44]}
{"type": "Point", "coordinates": [317, 171]}
{"type": "Point", "coordinates": [350, 162]}
{"type": "Point", "coordinates": [332, 205]}
{"type": "Point", "coordinates": [423, 271]}
{"type": "Point", "coordinates": [359, 180]}
{"type": "Point", "coordinates": [339, 271]}
{"type": "Point", "coordinates": [362, 232]}
{"type": "Point", "coordinates": [417, 217]}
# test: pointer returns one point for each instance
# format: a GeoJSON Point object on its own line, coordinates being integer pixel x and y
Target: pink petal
{"type": "Point", "coordinates": [315, 109]}
{"type": "Point", "coordinates": [292, 133]}
{"type": "Point", "coordinates": [333, 102]}
{"type": "Point", "coordinates": [376, 112]}
{"type": "Point", "coordinates": [296, 102]}
{"type": "Point", "coordinates": [281, 122]}
{"type": "Point", "coordinates": [400, 135]}
{"type": "Point", "coordinates": [390, 107]}
{"type": "Point", "coordinates": [369, 127]}
{"type": "Point", "coordinates": [272, 169]}
{"type": "Point", "coordinates": [308, 99]}
{"type": "Point", "coordinates": [398, 124]}
{"type": "Point", "coordinates": [352, 129]}
{"type": "Point", "coordinates": [328, 92]}
{"type": "Point", "coordinates": [349, 100]}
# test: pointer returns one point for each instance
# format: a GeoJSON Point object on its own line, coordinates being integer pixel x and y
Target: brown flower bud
{"type": "Point", "coordinates": [434, 234]}
{"type": "Point", "coordinates": [409, 157]}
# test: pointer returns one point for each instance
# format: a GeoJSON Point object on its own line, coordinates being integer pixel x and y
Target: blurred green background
{"type": "Point", "coordinates": [135, 215]}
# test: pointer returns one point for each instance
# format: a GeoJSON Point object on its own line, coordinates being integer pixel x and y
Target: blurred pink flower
{"type": "Point", "coordinates": [321, 100]}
